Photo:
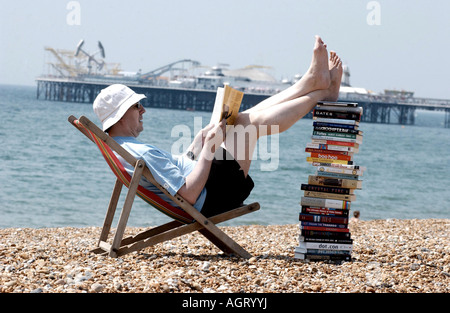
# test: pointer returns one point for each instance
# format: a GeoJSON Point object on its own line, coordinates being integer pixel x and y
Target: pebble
{"type": "Point", "coordinates": [389, 256]}
{"type": "Point", "coordinates": [205, 266]}
{"type": "Point", "coordinates": [117, 286]}
{"type": "Point", "coordinates": [95, 287]}
{"type": "Point", "coordinates": [60, 282]}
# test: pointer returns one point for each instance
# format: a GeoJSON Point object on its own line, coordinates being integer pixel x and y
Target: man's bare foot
{"type": "Point", "coordinates": [335, 70]}
{"type": "Point", "coordinates": [319, 66]}
{"type": "Point", "coordinates": [318, 76]}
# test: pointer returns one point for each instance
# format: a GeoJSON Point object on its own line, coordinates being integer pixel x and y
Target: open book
{"type": "Point", "coordinates": [227, 104]}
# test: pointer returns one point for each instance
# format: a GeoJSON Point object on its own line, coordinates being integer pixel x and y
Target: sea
{"type": "Point", "coordinates": [52, 176]}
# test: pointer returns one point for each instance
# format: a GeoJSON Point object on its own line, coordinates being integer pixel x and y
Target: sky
{"type": "Point", "coordinates": [390, 44]}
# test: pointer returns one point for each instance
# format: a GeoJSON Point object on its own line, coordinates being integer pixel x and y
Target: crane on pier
{"type": "Point", "coordinates": [91, 57]}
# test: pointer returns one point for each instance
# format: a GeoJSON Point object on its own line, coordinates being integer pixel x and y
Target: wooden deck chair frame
{"type": "Point", "coordinates": [121, 246]}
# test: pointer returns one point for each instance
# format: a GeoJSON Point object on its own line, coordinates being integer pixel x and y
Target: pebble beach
{"type": "Point", "coordinates": [389, 256]}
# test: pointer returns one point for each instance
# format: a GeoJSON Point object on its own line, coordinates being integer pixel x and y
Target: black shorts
{"type": "Point", "coordinates": [226, 187]}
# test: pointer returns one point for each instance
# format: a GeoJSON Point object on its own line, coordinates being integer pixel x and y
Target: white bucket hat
{"type": "Point", "coordinates": [113, 102]}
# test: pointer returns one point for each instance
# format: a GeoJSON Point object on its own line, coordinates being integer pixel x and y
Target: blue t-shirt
{"type": "Point", "coordinates": [169, 171]}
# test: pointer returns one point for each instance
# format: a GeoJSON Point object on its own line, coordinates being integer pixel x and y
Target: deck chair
{"type": "Point", "coordinates": [185, 220]}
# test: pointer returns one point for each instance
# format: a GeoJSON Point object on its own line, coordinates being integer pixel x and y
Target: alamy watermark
{"type": "Point", "coordinates": [74, 15]}
{"type": "Point", "coordinates": [374, 16]}
{"type": "Point", "coordinates": [239, 140]}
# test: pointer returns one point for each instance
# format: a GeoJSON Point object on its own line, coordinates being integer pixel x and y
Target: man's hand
{"type": "Point", "coordinates": [215, 135]}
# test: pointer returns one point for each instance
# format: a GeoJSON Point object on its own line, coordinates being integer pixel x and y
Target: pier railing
{"type": "Point", "coordinates": [426, 103]}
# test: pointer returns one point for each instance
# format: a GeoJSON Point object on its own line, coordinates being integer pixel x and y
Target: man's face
{"type": "Point", "coordinates": [132, 119]}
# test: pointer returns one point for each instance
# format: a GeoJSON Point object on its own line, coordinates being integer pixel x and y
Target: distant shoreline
{"type": "Point", "coordinates": [399, 256]}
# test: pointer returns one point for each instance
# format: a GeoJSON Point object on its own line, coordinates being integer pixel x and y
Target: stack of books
{"type": "Point", "coordinates": [325, 205]}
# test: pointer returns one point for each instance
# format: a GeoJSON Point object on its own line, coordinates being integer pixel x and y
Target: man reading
{"type": "Point", "coordinates": [213, 175]}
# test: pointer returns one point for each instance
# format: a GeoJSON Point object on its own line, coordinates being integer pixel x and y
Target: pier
{"type": "Point", "coordinates": [377, 109]}
{"type": "Point", "coordinates": [55, 89]}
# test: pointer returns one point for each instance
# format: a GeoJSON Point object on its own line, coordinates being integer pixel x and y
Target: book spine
{"type": "Point", "coordinates": [339, 170]}
{"type": "Point", "coordinates": [319, 228]}
{"type": "Point", "coordinates": [317, 188]}
{"type": "Point", "coordinates": [326, 151]}
{"type": "Point", "coordinates": [338, 103]}
{"type": "Point", "coordinates": [335, 182]}
{"type": "Point", "coordinates": [358, 111]}
{"type": "Point", "coordinates": [328, 195]}
{"type": "Point", "coordinates": [325, 246]}
{"type": "Point", "coordinates": [325, 235]}
{"type": "Point", "coordinates": [330, 156]}
{"type": "Point", "coordinates": [302, 238]}
{"type": "Point", "coordinates": [338, 175]}
{"type": "Point", "coordinates": [325, 203]}
{"type": "Point", "coordinates": [335, 142]}
{"type": "Point", "coordinates": [336, 115]}
{"type": "Point", "coordinates": [323, 218]}
{"type": "Point", "coordinates": [336, 120]}
{"type": "Point", "coordinates": [324, 211]}
{"type": "Point", "coordinates": [323, 164]}
{"type": "Point", "coordinates": [323, 257]}
{"type": "Point", "coordinates": [336, 134]}
{"type": "Point", "coordinates": [323, 251]}
{"type": "Point", "coordinates": [347, 167]}
{"type": "Point", "coordinates": [340, 108]}
{"type": "Point", "coordinates": [325, 225]}
{"type": "Point", "coordinates": [323, 124]}
{"type": "Point", "coordinates": [335, 129]}
{"type": "Point", "coordinates": [333, 138]}
{"type": "Point", "coordinates": [320, 146]}
{"type": "Point", "coordinates": [321, 160]}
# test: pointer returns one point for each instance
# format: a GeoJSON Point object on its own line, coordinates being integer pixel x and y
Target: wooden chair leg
{"type": "Point", "coordinates": [219, 243]}
{"type": "Point", "coordinates": [127, 207]}
{"type": "Point", "coordinates": [150, 232]}
{"type": "Point", "coordinates": [215, 235]}
{"type": "Point", "coordinates": [111, 211]}
{"type": "Point", "coordinates": [222, 240]}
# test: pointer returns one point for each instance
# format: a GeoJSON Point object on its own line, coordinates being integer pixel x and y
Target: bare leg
{"type": "Point", "coordinates": [317, 77]}
{"type": "Point", "coordinates": [251, 125]}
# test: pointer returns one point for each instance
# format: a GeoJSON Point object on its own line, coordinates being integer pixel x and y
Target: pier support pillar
{"type": "Point", "coordinates": [447, 118]}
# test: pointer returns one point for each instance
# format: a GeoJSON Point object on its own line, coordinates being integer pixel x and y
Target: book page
{"type": "Point", "coordinates": [226, 106]}
{"type": "Point", "coordinates": [218, 106]}
{"type": "Point", "coordinates": [228, 101]}
{"type": "Point", "coordinates": [233, 103]}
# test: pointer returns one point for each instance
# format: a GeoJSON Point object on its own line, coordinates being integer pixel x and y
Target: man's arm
{"type": "Point", "coordinates": [205, 146]}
